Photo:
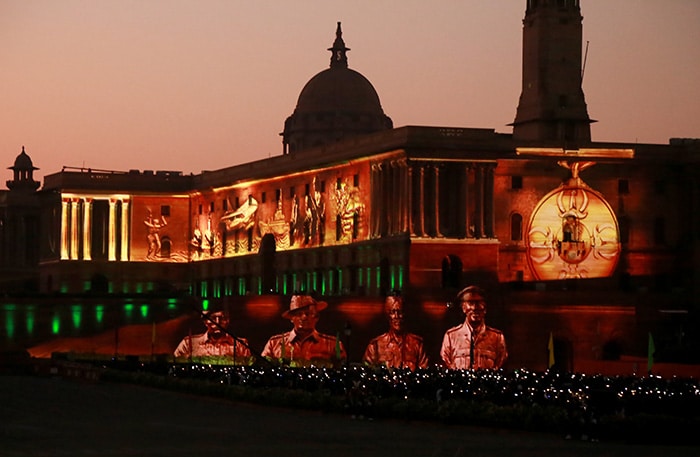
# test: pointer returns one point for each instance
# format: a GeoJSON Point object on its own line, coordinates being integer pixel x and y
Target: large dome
{"type": "Point", "coordinates": [335, 104]}
{"type": "Point", "coordinates": [339, 89]}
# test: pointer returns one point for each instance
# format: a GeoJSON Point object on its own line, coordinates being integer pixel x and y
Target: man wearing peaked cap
{"type": "Point", "coordinates": [304, 345]}
{"type": "Point", "coordinates": [473, 345]}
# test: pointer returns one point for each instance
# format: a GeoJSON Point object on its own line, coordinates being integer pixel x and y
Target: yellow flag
{"type": "Point", "coordinates": [550, 349]}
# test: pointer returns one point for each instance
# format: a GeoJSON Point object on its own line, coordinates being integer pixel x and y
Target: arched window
{"type": "Point", "coordinates": [624, 229]}
{"type": "Point", "coordinates": [338, 228]}
{"type": "Point", "coordinates": [269, 272]}
{"type": "Point", "coordinates": [451, 272]}
{"type": "Point", "coordinates": [355, 225]}
{"type": "Point", "coordinates": [516, 227]}
{"type": "Point", "coordinates": [165, 244]}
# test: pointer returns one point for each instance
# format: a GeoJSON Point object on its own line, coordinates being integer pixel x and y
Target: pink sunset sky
{"type": "Point", "coordinates": [203, 85]}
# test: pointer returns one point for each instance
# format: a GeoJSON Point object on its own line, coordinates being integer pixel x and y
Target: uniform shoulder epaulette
{"type": "Point", "coordinates": [325, 336]}
{"type": "Point", "coordinates": [494, 330]}
{"type": "Point", "coordinates": [415, 337]}
{"type": "Point", "coordinates": [280, 336]}
{"type": "Point", "coordinates": [455, 328]}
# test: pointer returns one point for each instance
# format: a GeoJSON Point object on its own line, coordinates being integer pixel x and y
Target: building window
{"type": "Point", "coordinates": [291, 192]}
{"type": "Point", "coordinates": [338, 227]}
{"type": "Point", "coordinates": [356, 180]}
{"type": "Point", "coordinates": [623, 187]}
{"type": "Point", "coordinates": [355, 225]}
{"type": "Point", "coordinates": [451, 272]}
{"type": "Point", "coordinates": [263, 197]}
{"type": "Point", "coordinates": [165, 244]}
{"type": "Point", "coordinates": [323, 187]}
{"type": "Point", "coordinates": [200, 209]}
{"type": "Point", "coordinates": [624, 229]}
{"type": "Point", "coordinates": [516, 227]}
{"type": "Point", "coordinates": [338, 183]}
{"type": "Point", "coordinates": [211, 207]}
{"type": "Point", "coordinates": [278, 195]}
{"type": "Point", "coordinates": [306, 189]}
{"type": "Point", "coordinates": [516, 182]}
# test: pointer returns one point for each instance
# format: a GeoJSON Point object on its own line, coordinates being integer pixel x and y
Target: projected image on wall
{"type": "Point", "coordinates": [159, 229]}
{"type": "Point", "coordinates": [573, 232]}
{"type": "Point", "coordinates": [311, 210]}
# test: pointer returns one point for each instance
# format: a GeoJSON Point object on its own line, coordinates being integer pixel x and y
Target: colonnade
{"type": "Point", "coordinates": [433, 199]}
{"type": "Point", "coordinates": [77, 227]}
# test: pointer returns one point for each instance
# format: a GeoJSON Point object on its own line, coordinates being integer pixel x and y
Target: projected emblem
{"type": "Point", "coordinates": [573, 232]}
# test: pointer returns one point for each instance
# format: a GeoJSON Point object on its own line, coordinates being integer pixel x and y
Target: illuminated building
{"type": "Point", "coordinates": [588, 240]}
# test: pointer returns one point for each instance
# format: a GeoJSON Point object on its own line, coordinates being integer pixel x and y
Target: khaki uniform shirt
{"type": "Point", "coordinates": [487, 349]}
{"type": "Point", "coordinates": [396, 351]}
{"type": "Point", "coordinates": [203, 346]}
{"type": "Point", "coordinates": [315, 348]}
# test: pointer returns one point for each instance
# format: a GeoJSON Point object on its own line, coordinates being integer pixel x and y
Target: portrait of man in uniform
{"type": "Point", "coordinates": [473, 345]}
{"type": "Point", "coordinates": [304, 345]}
{"type": "Point", "coordinates": [216, 341]}
{"type": "Point", "coordinates": [396, 348]}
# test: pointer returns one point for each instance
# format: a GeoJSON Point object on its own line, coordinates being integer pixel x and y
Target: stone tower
{"type": "Point", "coordinates": [552, 107]}
{"type": "Point", "coordinates": [19, 228]}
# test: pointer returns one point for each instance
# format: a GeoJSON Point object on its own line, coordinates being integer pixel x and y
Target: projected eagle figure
{"type": "Point", "coordinates": [573, 232]}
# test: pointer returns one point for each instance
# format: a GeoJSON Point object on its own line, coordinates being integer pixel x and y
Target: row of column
{"type": "Point", "coordinates": [77, 226]}
{"type": "Point", "coordinates": [426, 199]}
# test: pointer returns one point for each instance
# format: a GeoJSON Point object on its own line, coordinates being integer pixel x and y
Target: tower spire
{"type": "Point", "coordinates": [552, 106]}
{"type": "Point", "coordinates": [339, 57]}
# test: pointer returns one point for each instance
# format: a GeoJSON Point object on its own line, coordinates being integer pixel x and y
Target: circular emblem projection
{"type": "Point", "coordinates": [573, 233]}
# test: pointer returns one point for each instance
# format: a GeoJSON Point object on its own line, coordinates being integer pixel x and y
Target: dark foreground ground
{"type": "Point", "coordinates": [52, 416]}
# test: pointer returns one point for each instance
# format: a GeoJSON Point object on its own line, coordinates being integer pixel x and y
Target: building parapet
{"type": "Point", "coordinates": [89, 178]}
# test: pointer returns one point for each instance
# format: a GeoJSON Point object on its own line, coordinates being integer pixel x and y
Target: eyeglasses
{"type": "Point", "coordinates": [474, 303]}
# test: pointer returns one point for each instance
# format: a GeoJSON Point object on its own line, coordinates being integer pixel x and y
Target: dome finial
{"type": "Point", "coordinates": [339, 57]}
